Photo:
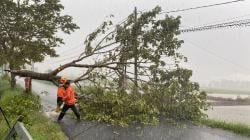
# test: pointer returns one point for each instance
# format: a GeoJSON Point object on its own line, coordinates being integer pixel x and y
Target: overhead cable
{"type": "Point", "coordinates": [204, 6]}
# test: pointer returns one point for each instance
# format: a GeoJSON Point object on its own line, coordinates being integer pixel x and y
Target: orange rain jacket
{"type": "Point", "coordinates": [69, 98]}
{"type": "Point", "coordinates": [61, 91]}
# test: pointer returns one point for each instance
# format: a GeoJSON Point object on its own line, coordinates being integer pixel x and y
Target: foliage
{"type": "Point", "coordinates": [29, 30]}
{"type": "Point", "coordinates": [155, 37]}
{"type": "Point", "coordinates": [121, 94]}
{"type": "Point", "coordinates": [116, 108]}
{"type": "Point", "coordinates": [3, 84]}
{"type": "Point", "coordinates": [176, 97]}
{"type": "Point", "coordinates": [164, 87]}
{"type": "Point", "coordinates": [151, 40]}
{"type": "Point", "coordinates": [15, 103]}
{"type": "Point", "coordinates": [175, 101]}
{"type": "Point", "coordinates": [42, 128]}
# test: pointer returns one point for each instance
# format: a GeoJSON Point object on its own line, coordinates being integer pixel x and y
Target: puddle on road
{"type": "Point", "coordinates": [44, 93]}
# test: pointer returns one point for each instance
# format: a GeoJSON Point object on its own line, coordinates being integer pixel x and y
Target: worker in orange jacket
{"type": "Point", "coordinates": [69, 102]}
{"type": "Point", "coordinates": [60, 93]}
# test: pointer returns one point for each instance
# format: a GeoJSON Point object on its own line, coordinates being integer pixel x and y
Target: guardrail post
{"type": "Point", "coordinates": [21, 131]}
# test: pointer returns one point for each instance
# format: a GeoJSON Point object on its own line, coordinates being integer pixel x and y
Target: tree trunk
{"type": "Point", "coordinates": [36, 75]}
{"type": "Point", "coordinates": [12, 80]}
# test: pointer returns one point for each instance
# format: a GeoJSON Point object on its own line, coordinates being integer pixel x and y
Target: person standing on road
{"type": "Point", "coordinates": [69, 102]}
{"type": "Point", "coordinates": [60, 93]}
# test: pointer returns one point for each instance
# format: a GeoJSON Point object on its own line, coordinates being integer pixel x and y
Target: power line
{"type": "Point", "coordinates": [204, 6]}
{"type": "Point", "coordinates": [181, 10]}
{"type": "Point", "coordinates": [64, 59]}
{"type": "Point", "coordinates": [187, 9]}
{"type": "Point", "coordinates": [217, 56]}
{"type": "Point", "coordinates": [214, 22]}
{"type": "Point", "coordinates": [223, 25]}
{"type": "Point", "coordinates": [237, 23]}
{"type": "Point", "coordinates": [79, 46]}
{"type": "Point", "coordinates": [245, 22]}
{"type": "Point", "coordinates": [225, 20]}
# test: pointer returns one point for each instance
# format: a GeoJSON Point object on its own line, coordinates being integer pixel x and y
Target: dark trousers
{"type": "Point", "coordinates": [64, 110]}
{"type": "Point", "coordinates": [59, 101]}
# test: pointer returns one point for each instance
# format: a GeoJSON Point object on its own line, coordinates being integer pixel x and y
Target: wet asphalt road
{"type": "Point", "coordinates": [163, 131]}
{"type": "Point", "coordinates": [86, 130]}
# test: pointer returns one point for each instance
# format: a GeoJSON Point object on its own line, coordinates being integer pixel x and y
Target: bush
{"type": "Point", "coordinates": [15, 104]}
{"type": "Point", "coordinates": [3, 86]}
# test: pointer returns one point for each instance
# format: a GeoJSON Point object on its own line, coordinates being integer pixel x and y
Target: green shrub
{"type": "Point", "coordinates": [3, 86]}
{"type": "Point", "coordinates": [3, 127]}
{"type": "Point", "coordinates": [15, 104]}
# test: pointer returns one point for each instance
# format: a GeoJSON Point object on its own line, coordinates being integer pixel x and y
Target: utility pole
{"type": "Point", "coordinates": [123, 67]}
{"type": "Point", "coordinates": [135, 45]}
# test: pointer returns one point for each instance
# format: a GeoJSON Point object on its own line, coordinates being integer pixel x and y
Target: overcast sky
{"type": "Point", "coordinates": [213, 55]}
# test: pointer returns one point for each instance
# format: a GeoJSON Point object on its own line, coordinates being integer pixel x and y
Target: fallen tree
{"type": "Point", "coordinates": [139, 42]}
{"type": "Point", "coordinates": [134, 71]}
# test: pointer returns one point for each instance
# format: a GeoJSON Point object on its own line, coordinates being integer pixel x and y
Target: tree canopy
{"type": "Point", "coordinates": [28, 30]}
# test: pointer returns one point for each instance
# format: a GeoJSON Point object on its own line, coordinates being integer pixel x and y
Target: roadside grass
{"type": "Point", "coordinates": [225, 91]}
{"type": "Point", "coordinates": [15, 103]}
{"type": "Point", "coordinates": [237, 128]}
{"type": "Point", "coordinates": [42, 128]}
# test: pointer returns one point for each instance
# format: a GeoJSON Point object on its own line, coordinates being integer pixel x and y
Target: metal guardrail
{"type": "Point", "coordinates": [22, 132]}
{"type": "Point", "coordinates": [17, 129]}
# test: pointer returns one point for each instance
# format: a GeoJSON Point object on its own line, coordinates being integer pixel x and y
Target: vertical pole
{"type": "Point", "coordinates": [32, 66]}
{"type": "Point", "coordinates": [30, 79]}
{"type": "Point", "coordinates": [121, 78]}
{"type": "Point", "coordinates": [2, 72]}
{"type": "Point", "coordinates": [4, 68]}
{"type": "Point", "coordinates": [125, 68]}
{"type": "Point", "coordinates": [18, 3]}
{"type": "Point", "coordinates": [135, 48]}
